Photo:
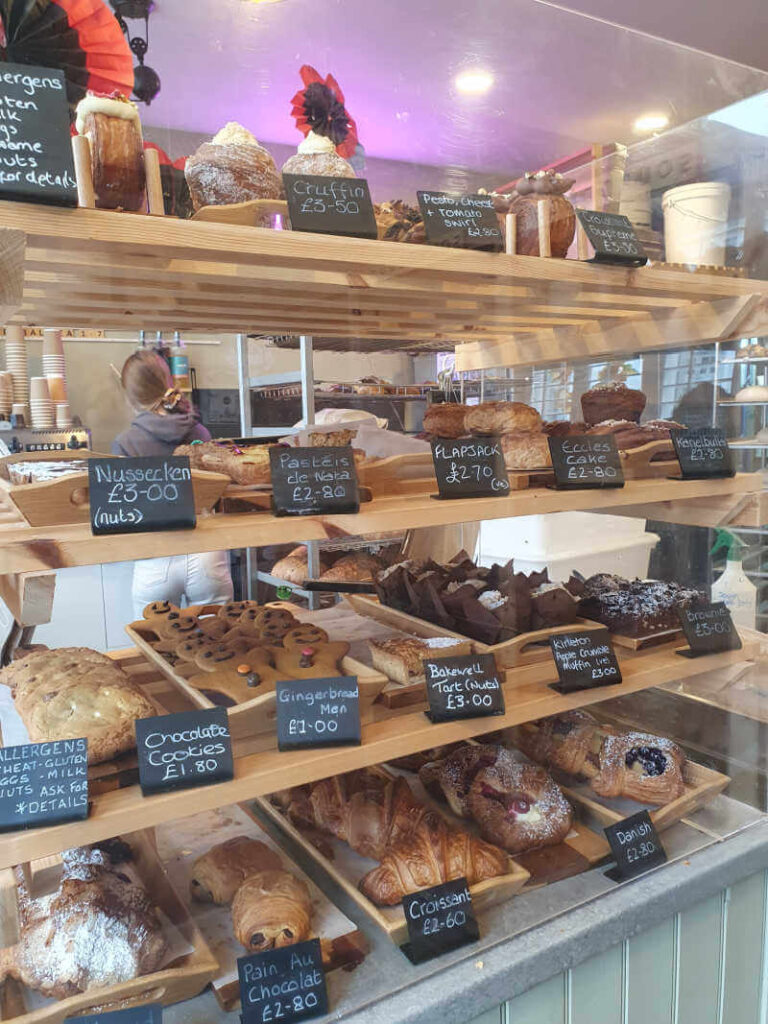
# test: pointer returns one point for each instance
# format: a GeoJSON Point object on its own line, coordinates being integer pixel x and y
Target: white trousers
{"type": "Point", "coordinates": [201, 579]}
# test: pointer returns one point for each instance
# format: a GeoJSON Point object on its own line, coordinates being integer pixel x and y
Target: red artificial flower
{"type": "Point", "coordinates": [319, 107]}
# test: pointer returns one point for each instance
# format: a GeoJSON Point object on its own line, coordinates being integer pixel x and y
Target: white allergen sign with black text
{"type": "Point", "coordinates": [468, 686]}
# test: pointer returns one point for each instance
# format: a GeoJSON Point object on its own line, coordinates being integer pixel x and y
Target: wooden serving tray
{"type": "Point", "coordinates": [182, 979]}
{"type": "Point", "coordinates": [180, 843]}
{"type": "Point", "coordinates": [254, 717]}
{"type": "Point", "coordinates": [65, 501]}
{"type": "Point", "coordinates": [580, 851]}
{"type": "Point", "coordinates": [525, 649]}
{"type": "Point", "coordinates": [250, 214]}
{"type": "Point", "coordinates": [637, 464]}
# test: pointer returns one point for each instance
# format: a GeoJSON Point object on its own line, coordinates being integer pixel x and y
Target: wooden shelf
{"type": "Point", "coordinates": [394, 734]}
{"type": "Point", "coordinates": [706, 502]}
{"type": "Point", "coordinates": [115, 271]}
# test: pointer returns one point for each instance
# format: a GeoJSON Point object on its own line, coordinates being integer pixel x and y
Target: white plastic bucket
{"type": "Point", "coordinates": [636, 203]}
{"type": "Point", "coordinates": [695, 222]}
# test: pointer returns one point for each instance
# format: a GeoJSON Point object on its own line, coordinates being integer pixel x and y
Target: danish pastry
{"type": "Point", "coordinates": [645, 768]}
{"type": "Point", "coordinates": [518, 806]}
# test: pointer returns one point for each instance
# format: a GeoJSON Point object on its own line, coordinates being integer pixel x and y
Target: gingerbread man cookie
{"type": "Point", "coordinates": [239, 678]}
{"type": "Point", "coordinates": [304, 634]}
{"type": "Point", "coordinates": [231, 611]}
{"type": "Point", "coordinates": [311, 662]}
{"type": "Point", "coordinates": [158, 611]}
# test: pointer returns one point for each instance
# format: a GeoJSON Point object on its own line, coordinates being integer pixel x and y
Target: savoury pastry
{"type": "Point", "coordinates": [219, 873]}
{"type": "Point", "coordinates": [73, 692]}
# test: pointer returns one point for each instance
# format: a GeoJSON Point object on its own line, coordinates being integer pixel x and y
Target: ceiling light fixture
{"type": "Point", "coordinates": [474, 81]}
{"type": "Point", "coordinates": [651, 123]}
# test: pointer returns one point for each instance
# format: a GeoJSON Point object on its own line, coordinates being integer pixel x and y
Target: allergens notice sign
{"type": "Point", "coordinates": [36, 163]}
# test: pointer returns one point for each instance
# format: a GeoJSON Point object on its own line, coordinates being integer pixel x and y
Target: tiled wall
{"type": "Point", "coordinates": [706, 965]}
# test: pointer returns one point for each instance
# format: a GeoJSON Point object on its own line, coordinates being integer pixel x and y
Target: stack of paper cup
{"type": "Point", "coordinates": [16, 362]}
{"type": "Point", "coordinates": [40, 404]}
{"type": "Point", "coordinates": [63, 416]}
{"type": "Point", "coordinates": [53, 364]}
{"type": "Point", "coordinates": [6, 394]}
{"type": "Point", "coordinates": [20, 409]}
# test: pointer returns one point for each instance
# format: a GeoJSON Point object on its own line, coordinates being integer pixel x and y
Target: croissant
{"type": "Point", "coordinates": [271, 909]}
{"type": "Point", "coordinates": [429, 854]}
{"type": "Point", "coordinates": [569, 742]}
{"type": "Point", "coordinates": [217, 875]}
{"type": "Point", "coordinates": [367, 811]}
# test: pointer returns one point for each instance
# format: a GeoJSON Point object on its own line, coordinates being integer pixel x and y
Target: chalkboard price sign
{"type": "Point", "coordinates": [439, 919]}
{"type": "Point", "coordinates": [613, 238]}
{"type": "Point", "coordinates": [586, 461]}
{"type": "Point", "coordinates": [470, 467]}
{"type": "Point", "coordinates": [635, 845]}
{"type": "Point", "coordinates": [584, 660]}
{"type": "Point", "coordinates": [313, 481]}
{"type": "Point", "coordinates": [36, 162]}
{"type": "Point", "coordinates": [330, 206]}
{"type": "Point", "coordinates": [463, 222]}
{"type": "Point", "coordinates": [190, 748]}
{"type": "Point", "coordinates": [283, 985]}
{"type": "Point", "coordinates": [708, 629]}
{"type": "Point", "coordinates": [463, 687]}
{"type": "Point", "coordinates": [43, 784]}
{"type": "Point", "coordinates": [141, 495]}
{"type": "Point", "coordinates": [703, 452]}
{"type": "Point", "coordinates": [151, 1014]}
{"type": "Point", "coordinates": [318, 712]}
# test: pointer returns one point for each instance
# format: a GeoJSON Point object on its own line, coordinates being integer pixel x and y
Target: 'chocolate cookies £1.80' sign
{"type": "Point", "coordinates": [190, 748]}
{"type": "Point", "coordinates": [36, 163]}
{"type": "Point", "coordinates": [313, 481]}
{"type": "Point", "coordinates": [470, 467]}
{"type": "Point", "coordinates": [141, 495]}
{"type": "Point", "coordinates": [330, 206]}
{"type": "Point", "coordinates": [584, 461]}
{"type": "Point", "coordinates": [43, 784]}
{"type": "Point", "coordinates": [463, 222]}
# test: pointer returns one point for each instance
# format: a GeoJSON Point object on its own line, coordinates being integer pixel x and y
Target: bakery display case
{"type": "Point", "coordinates": [470, 786]}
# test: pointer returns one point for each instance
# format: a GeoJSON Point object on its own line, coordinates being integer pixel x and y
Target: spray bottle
{"type": "Point", "coordinates": [734, 586]}
{"type": "Point", "coordinates": [179, 361]}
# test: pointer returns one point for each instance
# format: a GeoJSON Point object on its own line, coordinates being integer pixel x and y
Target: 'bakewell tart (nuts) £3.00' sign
{"type": "Point", "coordinates": [470, 467]}
{"type": "Point", "coordinates": [467, 686]}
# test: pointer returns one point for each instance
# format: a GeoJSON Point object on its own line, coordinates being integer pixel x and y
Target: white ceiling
{"type": "Point", "coordinates": [562, 80]}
